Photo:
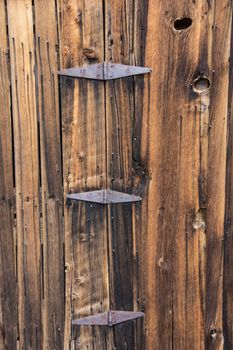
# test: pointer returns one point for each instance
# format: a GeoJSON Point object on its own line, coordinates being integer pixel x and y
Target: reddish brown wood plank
{"type": "Point", "coordinates": [228, 236]}
{"type": "Point", "coordinates": [216, 174]}
{"type": "Point", "coordinates": [175, 142]}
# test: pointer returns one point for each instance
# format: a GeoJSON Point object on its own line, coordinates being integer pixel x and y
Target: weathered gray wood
{"type": "Point", "coordinates": [8, 286]}
{"type": "Point", "coordinates": [166, 137]}
{"type": "Point", "coordinates": [84, 168]}
{"type": "Point", "coordinates": [47, 65]}
{"type": "Point", "coordinates": [22, 63]}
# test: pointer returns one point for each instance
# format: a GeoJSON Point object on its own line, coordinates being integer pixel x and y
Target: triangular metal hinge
{"type": "Point", "coordinates": [108, 318]}
{"type": "Point", "coordinates": [104, 71]}
{"type": "Point", "coordinates": [104, 197]}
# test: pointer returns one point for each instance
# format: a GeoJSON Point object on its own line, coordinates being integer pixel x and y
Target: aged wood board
{"type": "Point", "coordinates": [164, 136]}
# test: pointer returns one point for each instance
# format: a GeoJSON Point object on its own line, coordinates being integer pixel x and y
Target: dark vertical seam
{"type": "Point", "coordinates": [227, 194]}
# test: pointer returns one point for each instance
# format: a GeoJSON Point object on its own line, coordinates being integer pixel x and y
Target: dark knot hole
{"type": "Point", "coordinates": [182, 23]}
{"type": "Point", "coordinates": [201, 84]}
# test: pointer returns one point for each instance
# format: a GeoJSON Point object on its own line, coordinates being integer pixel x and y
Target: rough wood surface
{"type": "Point", "coordinates": [166, 136]}
{"type": "Point", "coordinates": [217, 175]}
{"type": "Point", "coordinates": [8, 291]}
{"type": "Point", "coordinates": [228, 238]}
{"type": "Point", "coordinates": [22, 61]}
{"type": "Point", "coordinates": [186, 178]}
{"type": "Point", "coordinates": [52, 240]}
{"type": "Point", "coordinates": [123, 235]}
{"type": "Point", "coordinates": [84, 166]}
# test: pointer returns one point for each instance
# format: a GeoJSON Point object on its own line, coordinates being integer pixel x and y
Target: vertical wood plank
{"type": "Point", "coordinates": [20, 20]}
{"type": "Point", "coordinates": [120, 118]}
{"type": "Point", "coordinates": [8, 286]}
{"type": "Point", "coordinates": [175, 139]}
{"type": "Point", "coordinates": [155, 136]}
{"type": "Point", "coordinates": [84, 166]}
{"type": "Point", "coordinates": [47, 63]}
{"type": "Point", "coordinates": [216, 174]}
{"type": "Point", "coordinates": [228, 237]}
{"type": "Point", "coordinates": [85, 224]}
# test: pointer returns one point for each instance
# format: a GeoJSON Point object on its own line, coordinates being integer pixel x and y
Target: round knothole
{"type": "Point", "coordinates": [182, 23]}
{"type": "Point", "coordinates": [201, 84]}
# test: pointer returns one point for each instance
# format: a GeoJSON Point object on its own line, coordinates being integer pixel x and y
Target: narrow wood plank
{"type": "Point", "coordinates": [228, 236]}
{"type": "Point", "coordinates": [141, 171]}
{"type": "Point", "coordinates": [216, 174]}
{"type": "Point", "coordinates": [123, 234]}
{"type": "Point", "coordinates": [20, 19]}
{"type": "Point", "coordinates": [84, 166]}
{"type": "Point", "coordinates": [8, 285]}
{"type": "Point", "coordinates": [47, 60]}
{"type": "Point", "coordinates": [85, 225]}
{"type": "Point", "coordinates": [122, 257]}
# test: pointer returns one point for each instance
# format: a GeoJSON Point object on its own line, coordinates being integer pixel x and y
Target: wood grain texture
{"type": "Point", "coordinates": [180, 151]}
{"type": "Point", "coordinates": [52, 244]}
{"type": "Point", "coordinates": [85, 224]}
{"type": "Point", "coordinates": [120, 118]}
{"type": "Point", "coordinates": [216, 174]}
{"type": "Point", "coordinates": [84, 165]}
{"type": "Point", "coordinates": [166, 136]}
{"type": "Point", "coordinates": [22, 60]}
{"type": "Point", "coordinates": [8, 290]}
{"type": "Point", "coordinates": [228, 237]}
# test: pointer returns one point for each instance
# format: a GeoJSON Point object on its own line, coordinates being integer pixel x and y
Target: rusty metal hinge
{"type": "Point", "coordinates": [108, 318]}
{"type": "Point", "coordinates": [104, 71]}
{"type": "Point", "coordinates": [105, 196]}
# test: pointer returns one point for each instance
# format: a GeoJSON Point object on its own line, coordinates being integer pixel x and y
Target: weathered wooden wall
{"type": "Point", "coordinates": [156, 136]}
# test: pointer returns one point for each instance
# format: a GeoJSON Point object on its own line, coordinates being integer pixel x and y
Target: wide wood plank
{"type": "Point", "coordinates": [175, 140]}
{"type": "Point", "coordinates": [47, 64]}
{"type": "Point", "coordinates": [22, 60]}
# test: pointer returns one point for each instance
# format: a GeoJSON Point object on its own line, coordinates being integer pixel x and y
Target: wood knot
{"type": "Point", "coordinates": [86, 237]}
{"type": "Point", "coordinates": [162, 264]}
{"type": "Point", "coordinates": [67, 267]}
{"type": "Point", "coordinates": [89, 53]}
{"type": "Point", "coordinates": [213, 333]}
{"type": "Point", "coordinates": [78, 18]}
{"type": "Point", "coordinates": [200, 84]}
{"type": "Point", "coordinates": [66, 50]}
{"type": "Point", "coordinates": [182, 23]}
{"type": "Point", "coordinates": [199, 222]}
